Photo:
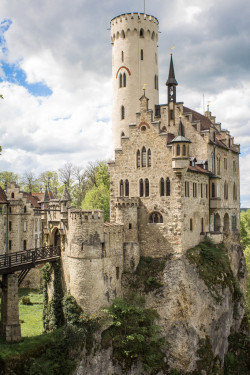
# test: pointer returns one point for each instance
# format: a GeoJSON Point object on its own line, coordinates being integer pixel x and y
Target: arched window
{"type": "Point", "coordinates": [143, 162]}
{"type": "Point", "coordinates": [234, 192]}
{"type": "Point", "coordinates": [225, 190]}
{"type": "Point", "coordinates": [123, 34]}
{"type": "Point", "coordinates": [178, 150]}
{"type": "Point", "coordinates": [167, 187]}
{"type": "Point", "coordinates": [120, 80]}
{"type": "Point", "coordinates": [122, 134]}
{"type": "Point", "coordinates": [155, 218]}
{"type": "Point", "coordinates": [213, 190]}
{"type": "Point", "coordinates": [138, 159]}
{"type": "Point", "coordinates": [12, 195]}
{"type": "Point", "coordinates": [126, 188]}
{"type": "Point", "coordinates": [202, 225]}
{"type": "Point", "coordinates": [24, 209]}
{"type": "Point", "coordinates": [218, 165]}
{"type": "Point", "coordinates": [162, 187]}
{"type": "Point", "coordinates": [234, 222]}
{"type": "Point", "coordinates": [121, 188]}
{"type": "Point", "coordinates": [141, 188]}
{"type": "Point", "coordinates": [124, 80]}
{"type": "Point", "coordinates": [141, 33]}
{"type": "Point", "coordinates": [153, 35]}
{"type": "Point", "coordinates": [122, 112]}
{"type": "Point", "coordinates": [184, 150]}
{"type": "Point", "coordinates": [149, 158]}
{"type": "Point", "coordinates": [141, 54]}
{"type": "Point", "coordinates": [146, 188]}
{"type": "Point", "coordinates": [191, 225]}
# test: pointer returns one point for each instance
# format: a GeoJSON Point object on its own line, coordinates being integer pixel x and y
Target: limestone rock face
{"type": "Point", "coordinates": [188, 312]}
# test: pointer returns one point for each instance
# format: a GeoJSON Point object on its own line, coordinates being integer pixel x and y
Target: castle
{"type": "Point", "coordinates": [174, 180]}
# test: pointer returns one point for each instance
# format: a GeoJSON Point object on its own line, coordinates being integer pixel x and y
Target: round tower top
{"type": "Point", "coordinates": [133, 16]}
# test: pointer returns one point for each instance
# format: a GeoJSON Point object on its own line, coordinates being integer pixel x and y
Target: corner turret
{"type": "Point", "coordinates": [180, 144]}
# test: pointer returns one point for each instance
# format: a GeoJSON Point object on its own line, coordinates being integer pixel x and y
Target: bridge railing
{"type": "Point", "coordinates": [32, 256]}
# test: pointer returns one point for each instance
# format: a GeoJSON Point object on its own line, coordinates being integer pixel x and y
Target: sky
{"type": "Point", "coordinates": [55, 75]}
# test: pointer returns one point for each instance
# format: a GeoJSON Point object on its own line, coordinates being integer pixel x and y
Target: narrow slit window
{"type": "Point", "coordinates": [167, 187]}
{"type": "Point", "coordinates": [141, 54]}
{"type": "Point", "coordinates": [124, 80]}
{"type": "Point", "coordinates": [162, 187]}
{"type": "Point", "coordinates": [122, 112]}
{"type": "Point", "coordinates": [149, 158]}
{"type": "Point", "coordinates": [138, 159]}
{"type": "Point", "coordinates": [146, 188]}
{"type": "Point", "coordinates": [141, 188]}
{"type": "Point", "coordinates": [144, 157]}
{"type": "Point", "coordinates": [126, 188]}
{"type": "Point", "coordinates": [121, 188]}
{"type": "Point", "coordinates": [120, 80]}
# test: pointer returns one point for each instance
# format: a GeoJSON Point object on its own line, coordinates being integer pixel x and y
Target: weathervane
{"type": "Point", "coordinates": [171, 53]}
{"type": "Point", "coordinates": [208, 105]}
{"type": "Point", "coordinates": [144, 87]}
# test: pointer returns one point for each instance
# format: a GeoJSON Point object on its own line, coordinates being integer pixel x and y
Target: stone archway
{"type": "Point", "coordinates": [226, 223]}
{"type": "Point", "coordinates": [56, 238]}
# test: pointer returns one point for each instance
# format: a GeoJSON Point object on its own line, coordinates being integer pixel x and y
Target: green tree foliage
{"type": "Point", "coordinates": [8, 177]}
{"type": "Point", "coordinates": [97, 197]}
{"type": "Point", "coordinates": [50, 177]}
{"type": "Point", "coordinates": [245, 241]}
{"type": "Point", "coordinates": [134, 335]}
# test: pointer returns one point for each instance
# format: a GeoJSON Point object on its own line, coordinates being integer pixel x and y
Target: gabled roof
{"type": "Point", "coordinates": [32, 200]}
{"type": "Point", "coordinates": [199, 169]}
{"type": "Point", "coordinates": [3, 198]}
{"type": "Point", "coordinates": [204, 121]}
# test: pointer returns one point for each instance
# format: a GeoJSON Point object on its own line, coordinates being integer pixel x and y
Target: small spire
{"type": "Point", "coordinates": [181, 131]}
{"type": "Point", "coordinates": [46, 197]}
{"type": "Point", "coordinates": [65, 196]}
{"type": "Point", "coordinates": [171, 76]}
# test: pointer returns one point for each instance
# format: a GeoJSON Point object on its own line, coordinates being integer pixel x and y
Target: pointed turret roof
{"type": "Point", "coordinates": [65, 196]}
{"type": "Point", "coordinates": [171, 76]}
{"type": "Point", "coordinates": [181, 135]}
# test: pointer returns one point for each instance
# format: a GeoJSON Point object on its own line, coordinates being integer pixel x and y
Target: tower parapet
{"type": "Point", "coordinates": [134, 38]}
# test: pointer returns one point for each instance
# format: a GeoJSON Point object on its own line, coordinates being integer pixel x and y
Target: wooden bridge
{"type": "Point", "coordinates": [25, 260]}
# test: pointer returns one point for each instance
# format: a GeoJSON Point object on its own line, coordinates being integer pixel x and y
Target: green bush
{"type": "Point", "coordinates": [26, 301]}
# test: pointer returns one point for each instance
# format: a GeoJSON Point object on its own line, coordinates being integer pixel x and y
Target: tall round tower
{"type": "Point", "coordinates": [134, 38]}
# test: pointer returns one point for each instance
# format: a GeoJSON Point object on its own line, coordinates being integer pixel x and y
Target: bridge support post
{"type": "Point", "coordinates": [10, 326]}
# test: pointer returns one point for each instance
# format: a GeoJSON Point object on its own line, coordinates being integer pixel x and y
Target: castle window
{"type": "Point", "coordinates": [24, 209]}
{"type": "Point", "coordinates": [126, 188]}
{"type": "Point", "coordinates": [155, 218]}
{"type": "Point", "coordinates": [149, 158]}
{"type": "Point", "coordinates": [225, 163]}
{"type": "Point", "coordinates": [186, 189]}
{"type": "Point", "coordinates": [184, 150]}
{"type": "Point", "coordinates": [146, 188]}
{"type": "Point", "coordinates": [142, 33]}
{"type": "Point", "coordinates": [217, 223]}
{"type": "Point", "coordinates": [171, 114]}
{"type": "Point", "coordinates": [24, 245]}
{"type": "Point", "coordinates": [234, 166]}
{"type": "Point", "coordinates": [123, 134]}
{"type": "Point", "coordinates": [194, 189]}
{"type": "Point", "coordinates": [156, 82]}
{"type": "Point", "coordinates": [25, 226]}
{"type": "Point", "coordinates": [123, 34]}
{"type": "Point", "coordinates": [162, 187]}
{"type": "Point", "coordinates": [122, 56]}
{"type": "Point", "coordinates": [178, 150]}
{"type": "Point", "coordinates": [117, 271]}
{"type": "Point", "coordinates": [201, 191]}
{"type": "Point", "coordinates": [122, 112]}
{"type": "Point", "coordinates": [234, 222]}
{"type": "Point", "coordinates": [234, 192]}
{"type": "Point", "coordinates": [138, 159]}
{"type": "Point", "coordinates": [121, 188]}
{"type": "Point", "coordinates": [10, 226]}
{"type": "Point", "coordinates": [120, 80]}
{"type": "Point", "coordinates": [143, 128]}
{"type": "Point", "coordinates": [202, 226]}
{"type": "Point", "coordinates": [213, 190]}
{"type": "Point", "coordinates": [124, 80]}
{"type": "Point", "coordinates": [225, 190]}
{"type": "Point", "coordinates": [141, 188]}
{"type": "Point", "coordinates": [143, 157]}
{"type": "Point", "coordinates": [167, 187]}
{"type": "Point", "coordinates": [153, 35]}
{"type": "Point", "coordinates": [130, 226]}
{"type": "Point", "coordinates": [191, 225]}
{"type": "Point", "coordinates": [10, 244]}
{"type": "Point", "coordinates": [206, 190]}
{"type": "Point", "coordinates": [218, 166]}
{"type": "Point", "coordinates": [12, 195]}
{"type": "Point", "coordinates": [141, 54]}
{"type": "Point", "coordinates": [10, 210]}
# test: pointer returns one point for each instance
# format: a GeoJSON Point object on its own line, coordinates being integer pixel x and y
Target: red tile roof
{"type": "Point", "coordinates": [3, 198]}
{"type": "Point", "coordinates": [199, 169]}
{"type": "Point", "coordinates": [32, 200]}
{"type": "Point", "coordinates": [205, 122]}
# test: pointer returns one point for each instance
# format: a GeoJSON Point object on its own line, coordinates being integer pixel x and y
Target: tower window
{"type": "Point", "coordinates": [24, 245]}
{"type": "Point", "coordinates": [138, 159]}
{"type": "Point", "coordinates": [122, 56]}
{"type": "Point", "coordinates": [10, 226]}
{"type": "Point", "coordinates": [191, 225]}
{"type": "Point", "coordinates": [186, 188]}
{"type": "Point", "coordinates": [146, 188]}
{"type": "Point", "coordinates": [156, 82]}
{"type": "Point", "coordinates": [213, 190]}
{"type": "Point", "coordinates": [178, 150]}
{"type": "Point", "coordinates": [24, 209]}
{"type": "Point", "coordinates": [142, 33]}
{"type": "Point", "coordinates": [143, 157]}
{"type": "Point", "coordinates": [10, 244]}
{"type": "Point", "coordinates": [202, 225]}
{"type": "Point", "coordinates": [167, 187]}
{"type": "Point", "coordinates": [124, 80]}
{"type": "Point", "coordinates": [149, 158]}
{"type": "Point", "coordinates": [184, 150]}
{"type": "Point", "coordinates": [153, 35]}
{"type": "Point", "coordinates": [121, 188]}
{"type": "Point", "coordinates": [141, 54]}
{"type": "Point", "coordinates": [234, 223]}
{"type": "Point", "coordinates": [126, 188]}
{"type": "Point", "coordinates": [141, 188]}
{"type": "Point", "coordinates": [162, 187]}
{"type": "Point", "coordinates": [122, 112]}
{"type": "Point", "coordinates": [12, 195]}
{"type": "Point", "coordinates": [120, 80]}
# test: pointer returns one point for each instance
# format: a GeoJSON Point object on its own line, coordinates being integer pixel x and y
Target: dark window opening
{"type": "Point", "coordinates": [141, 54]}
{"type": "Point", "coordinates": [117, 271]}
{"type": "Point", "coordinates": [10, 244]}
{"type": "Point", "coordinates": [12, 195]}
{"type": "Point", "coordinates": [146, 188]}
{"type": "Point", "coordinates": [10, 226]}
{"type": "Point", "coordinates": [167, 187]}
{"type": "Point", "coordinates": [171, 114]}
{"type": "Point", "coordinates": [191, 224]}
{"type": "Point", "coordinates": [138, 159]}
{"type": "Point", "coordinates": [149, 158]}
{"type": "Point", "coordinates": [122, 56]}
{"type": "Point", "coordinates": [126, 188]}
{"type": "Point", "coordinates": [141, 33]}
{"type": "Point", "coordinates": [24, 209]}
{"type": "Point", "coordinates": [202, 225]}
{"type": "Point", "coordinates": [121, 188]}
{"type": "Point", "coordinates": [162, 187]}
{"type": "Point", "coordinates": [184, 150]}
{"type": "Point", "coordinates": [124, 80]}
{"type": "Point", "coordinates": [143, 157]}
{"type": "Point", "coordinates": [24, 245]}
{"type": "Point", "coordinates": [213, 190]}
{"type": "Point", "coordinates": [122, 112]}
{"type": "Point", "coordinates": [120, 80]}
{"type": "Point", "coordinates": [234, 222]}
{"type": "Point", "coordinates": [155, 218]}
{"type": "Point", "coordinates": [130, 226]}
{"type": "Point", "coordinates": [178, 150]}
{"type": "Point", "coordinates": [141, 188]}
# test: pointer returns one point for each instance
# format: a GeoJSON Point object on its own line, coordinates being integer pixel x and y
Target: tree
{"type": "Point", "coordinates": [8, 177]}
{"type": "Point", "coordinates": [50, 177]}
{"type": "Point", "coordinates": [29, 182]}
{"type": "Point", "coordinates": [245, 228]}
